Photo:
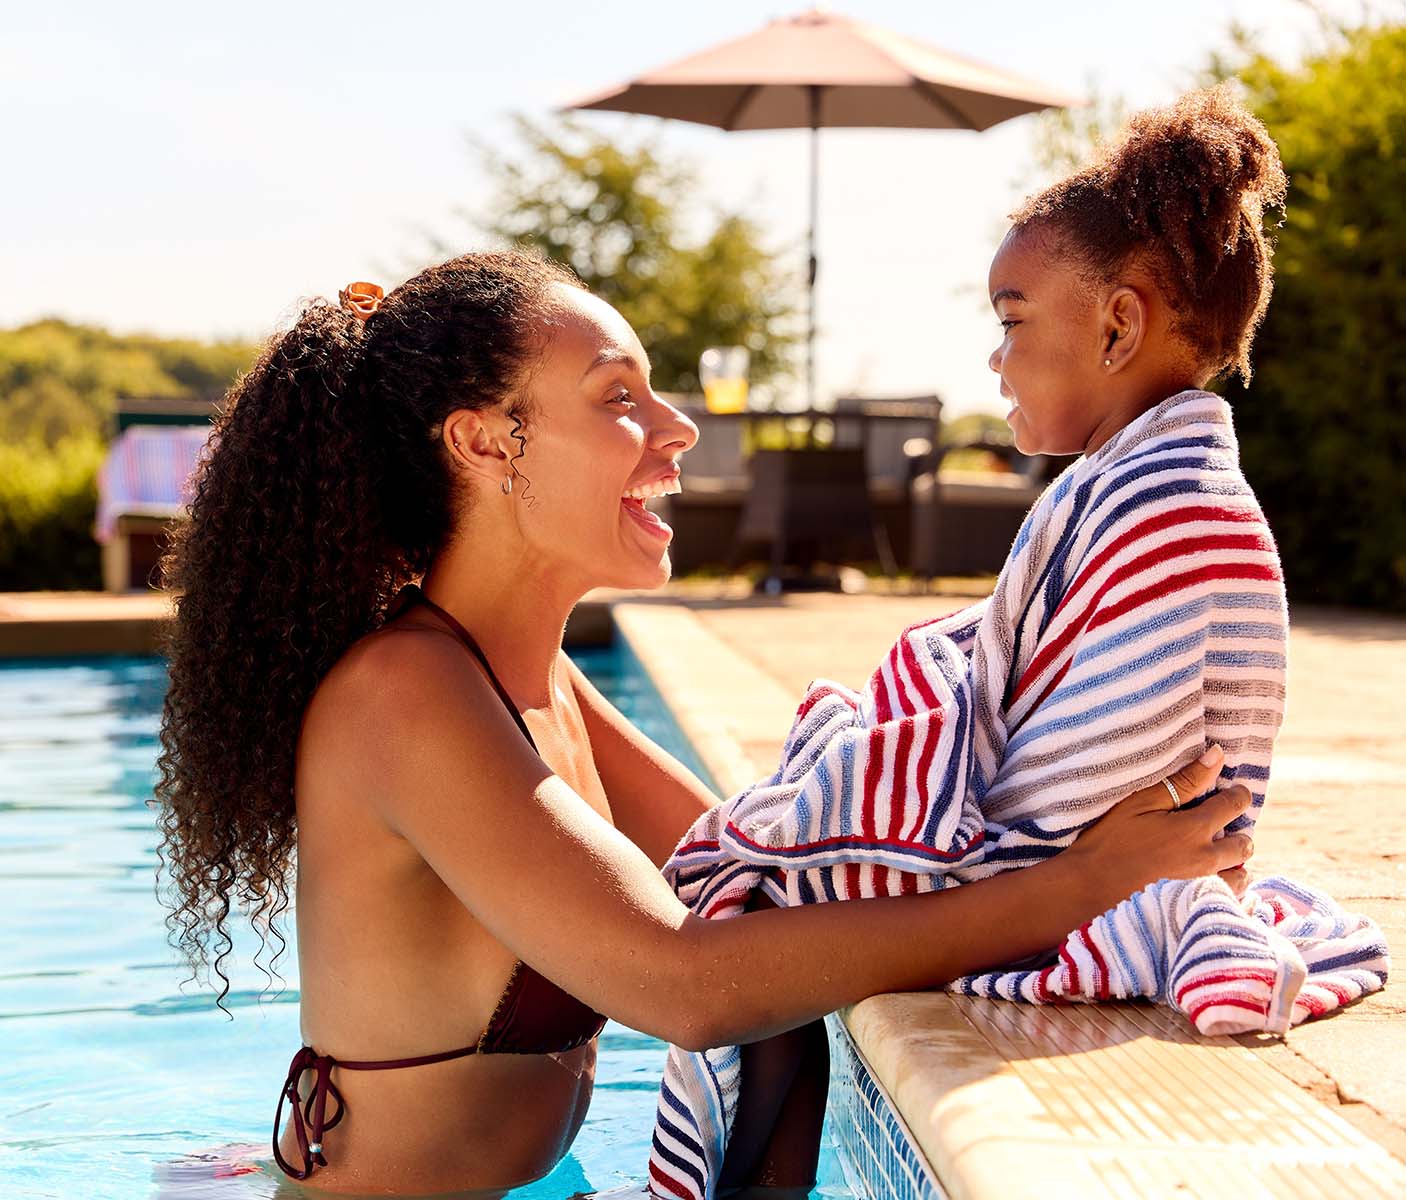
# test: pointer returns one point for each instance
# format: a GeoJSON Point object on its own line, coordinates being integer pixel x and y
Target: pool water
{"type": "Point", "coordinates": [116, 1076]}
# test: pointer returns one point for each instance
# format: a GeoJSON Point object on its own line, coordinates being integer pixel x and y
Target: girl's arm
{"type": "Point", "coordinates": [577, 900]}
{"type": "Point", "coordinates": [653, 797]}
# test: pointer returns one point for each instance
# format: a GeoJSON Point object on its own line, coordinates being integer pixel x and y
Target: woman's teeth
{"type": "Point", "coordinates": [648, 491]}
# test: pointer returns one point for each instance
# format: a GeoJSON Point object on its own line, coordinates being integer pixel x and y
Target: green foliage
{"type": "Point", "coordinates": [59, 380]}
{"type": "Point", "coordinates": [616, 214]}
{"type": "Point", "coordinates": [58, 385]}
{"type": "Point", "coordinates": [1322, 425]}
{"type": "Point", "coordinates": [48, 498]}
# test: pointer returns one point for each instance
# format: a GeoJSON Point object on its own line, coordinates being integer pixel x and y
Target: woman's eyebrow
{"type": "Point", "coordinates": [1006, 293]}
{"type": "Point", "coordinates": [608, 358]}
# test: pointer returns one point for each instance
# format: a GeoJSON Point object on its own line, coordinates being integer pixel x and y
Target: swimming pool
{"type": "Point", "coordinates": [114, 1074]}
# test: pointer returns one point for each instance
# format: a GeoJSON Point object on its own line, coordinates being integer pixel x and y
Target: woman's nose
{"type": "Point", "coordinates": [673, 431]}
{"type": "Point", "coordinates": [994, 362]}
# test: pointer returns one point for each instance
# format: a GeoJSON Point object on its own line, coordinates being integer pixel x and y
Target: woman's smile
{"type": "Point", "coordinates": [650, 522]}
{"type": "Point", "coordinates": [636, 496]}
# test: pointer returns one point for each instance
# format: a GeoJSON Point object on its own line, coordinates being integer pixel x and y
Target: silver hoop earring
{"type": "Point", "coordinates": [508, 485]}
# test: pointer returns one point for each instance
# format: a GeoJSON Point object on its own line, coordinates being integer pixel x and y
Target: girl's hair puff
{"type": "Point", "coordinates": [1182, 192]}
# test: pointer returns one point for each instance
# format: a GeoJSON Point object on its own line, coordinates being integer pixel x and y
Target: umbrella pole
{"type": "Point", "coordinates": [814, 211]}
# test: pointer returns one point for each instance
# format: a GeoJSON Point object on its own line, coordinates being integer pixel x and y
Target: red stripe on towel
{"type": "Point", "coordinates": [668, 1183]}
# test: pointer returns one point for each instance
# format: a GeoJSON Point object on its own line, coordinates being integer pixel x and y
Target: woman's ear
{"type": "Point", "coordinates": [1123, 325]}
{"type": "Point", "coordinates": [475, 447]}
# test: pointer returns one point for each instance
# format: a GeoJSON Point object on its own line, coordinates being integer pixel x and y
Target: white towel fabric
{"type": "Point", "coordinates": [1139, 618]}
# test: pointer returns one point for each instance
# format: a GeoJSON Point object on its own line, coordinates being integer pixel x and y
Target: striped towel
{"type": "Point", "coordinates": [1139, 617]}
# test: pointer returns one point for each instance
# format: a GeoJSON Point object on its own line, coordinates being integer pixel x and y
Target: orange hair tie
{"type": "Point", "coordinates": [361, 299]}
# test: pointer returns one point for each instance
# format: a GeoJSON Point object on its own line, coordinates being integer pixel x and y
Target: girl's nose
{"type": "Point", "coordinates": [673, 431]}
{"type": "Point", "coordinates": [994, 362]}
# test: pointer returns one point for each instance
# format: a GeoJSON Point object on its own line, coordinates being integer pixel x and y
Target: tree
{"type": "Point", "coordinates": [59, 380]}
{"type": "Point", "coordinates": [616, 214]}
{"type": "Point", "coordinates": [1322, 425]}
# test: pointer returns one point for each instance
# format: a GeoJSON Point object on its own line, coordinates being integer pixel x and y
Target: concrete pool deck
{"type": "Point", "coordinates": [733, 668]}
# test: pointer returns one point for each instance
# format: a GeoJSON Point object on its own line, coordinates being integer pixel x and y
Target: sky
{"type": "Point", "coordinates": [197, 170]}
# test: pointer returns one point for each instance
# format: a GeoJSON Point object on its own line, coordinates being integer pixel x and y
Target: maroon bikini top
{"type": "Point", "coordinates": [533, 1015]}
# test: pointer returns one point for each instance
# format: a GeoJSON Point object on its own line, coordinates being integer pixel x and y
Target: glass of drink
{"type": "Point", "coordinates": [722, 370]}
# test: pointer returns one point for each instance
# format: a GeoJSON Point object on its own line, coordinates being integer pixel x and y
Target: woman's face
{"type": "Point", "coordinates": [1050, 357]}
{"type": "Point", "coordinates": [598, 443]}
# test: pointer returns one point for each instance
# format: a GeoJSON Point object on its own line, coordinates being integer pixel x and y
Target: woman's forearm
{"type": "Point", "coordinates": [765, 972]}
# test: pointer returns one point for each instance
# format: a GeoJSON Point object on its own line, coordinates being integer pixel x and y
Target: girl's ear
{"type": "Point", "coordinates": [475, 446]}
{"type": "Point", "coordinates": [1123, 325]}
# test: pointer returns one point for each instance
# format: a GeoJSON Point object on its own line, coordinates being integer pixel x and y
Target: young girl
{"type": "Point", "coordinates": [1139, 619]}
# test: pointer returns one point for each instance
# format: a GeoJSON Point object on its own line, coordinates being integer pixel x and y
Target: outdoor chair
{"type": "Point", "coordinates": [903, 437]}
{"type": "Point", "coordinates": [808, 506]}
{"type": "Point", "coordinates": [963, 523]}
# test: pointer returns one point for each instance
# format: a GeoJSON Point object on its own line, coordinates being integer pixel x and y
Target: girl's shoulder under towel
{"type": "Point", "coordinates": [1145, 589]}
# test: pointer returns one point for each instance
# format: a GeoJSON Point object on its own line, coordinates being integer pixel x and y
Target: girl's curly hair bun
{"type": "Point", "coordinates": [1183, 191]}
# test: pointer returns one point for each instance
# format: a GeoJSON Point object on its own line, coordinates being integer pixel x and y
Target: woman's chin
{"type": "Point", "coordinates": [658, 574]}
{"type": "Point", "coordinates": [641, 577]}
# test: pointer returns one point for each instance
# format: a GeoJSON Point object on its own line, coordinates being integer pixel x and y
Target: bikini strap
{"type": "Point", "coordinates": [310, 1118]}
{"type": "Point", "coordinates": [414, 594]}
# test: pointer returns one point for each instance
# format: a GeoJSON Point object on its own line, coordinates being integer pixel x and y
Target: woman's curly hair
{"type": "Point", "coordinates": [324, 490]}
{"type": "Point", "coordinates": [1182, 192]}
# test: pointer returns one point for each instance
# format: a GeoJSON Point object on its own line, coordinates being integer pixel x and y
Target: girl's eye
{"type": "Point", "coordinates": [622, 397]}
{"type": "Point", "coordinates": [1008, 324]}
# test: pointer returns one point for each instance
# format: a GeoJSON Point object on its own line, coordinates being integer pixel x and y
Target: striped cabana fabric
{"type": "Point", "coordinates": [147, 473]}
{"type": "Point", "coordinates": [1139, 618]}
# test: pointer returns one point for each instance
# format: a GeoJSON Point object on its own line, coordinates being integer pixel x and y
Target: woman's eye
{"type": "Point", "coordinates": [622, 397]}
{"type": "Point", "coordinates": [1008, 324]}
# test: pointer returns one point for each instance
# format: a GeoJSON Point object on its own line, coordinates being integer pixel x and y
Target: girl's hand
{"type": "Point", "coordinates": [1143, 838]}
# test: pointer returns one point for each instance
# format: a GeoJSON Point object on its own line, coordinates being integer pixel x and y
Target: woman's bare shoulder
{"type": "Point", "coordinates": [389, 678]}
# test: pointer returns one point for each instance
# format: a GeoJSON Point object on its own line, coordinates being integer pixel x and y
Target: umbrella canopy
{"type": "Point", "coordinates": [866, 77]}
{"type": "Point", "coordinates": [821, 70]}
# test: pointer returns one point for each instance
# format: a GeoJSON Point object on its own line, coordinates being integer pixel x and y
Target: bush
{"type": "Point", "coordinates": [1322, 425]}
{"type": "Point", "coordinates": [48, 499]}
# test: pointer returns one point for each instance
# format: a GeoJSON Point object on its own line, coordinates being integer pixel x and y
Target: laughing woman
{"type": "Point", "coordinates": [402, 503]}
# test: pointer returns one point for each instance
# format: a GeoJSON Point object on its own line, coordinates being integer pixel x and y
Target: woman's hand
{"type": "Point", "coordinates": [1143, 838]}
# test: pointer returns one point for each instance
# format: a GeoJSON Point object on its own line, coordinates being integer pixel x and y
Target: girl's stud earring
{"type": "Point", "coordinates": [1107, 362]}
{"type": "Point", "coordinates": [508, 485]}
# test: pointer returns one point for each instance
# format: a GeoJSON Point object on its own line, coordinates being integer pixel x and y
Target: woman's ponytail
{"type": "Point", "coordinates": [283, 523]}
{"type": "Point", "coordinates": [325, 489]}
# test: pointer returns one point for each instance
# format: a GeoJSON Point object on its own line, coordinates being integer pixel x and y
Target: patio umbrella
{"type": "Point", "coordinates": [822, 71]}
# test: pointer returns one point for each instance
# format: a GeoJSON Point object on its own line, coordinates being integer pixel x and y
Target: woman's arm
{"type": "Point", "coordinates": [575, 898]}
{"type": "Point", "coordinates": [653, 796]}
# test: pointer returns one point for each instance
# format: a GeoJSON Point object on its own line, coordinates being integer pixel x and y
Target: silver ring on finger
{"type": "Point", "coordinates": [1172, 791]}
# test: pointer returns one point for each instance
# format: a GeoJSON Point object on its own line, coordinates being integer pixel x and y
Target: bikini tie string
{"type": "Point", "coordinates": [311, 1112]}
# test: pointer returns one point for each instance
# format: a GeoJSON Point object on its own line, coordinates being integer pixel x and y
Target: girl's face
{"type": "Point", "coordinates": [1050, 359]}
{"type": "Point", "coordinates": [599, 443]}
